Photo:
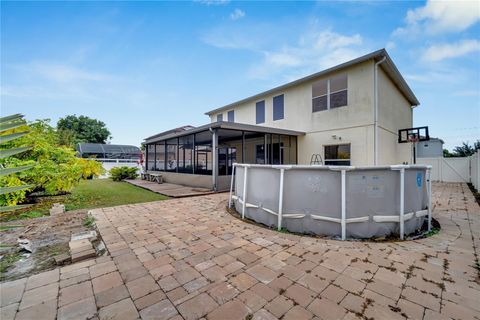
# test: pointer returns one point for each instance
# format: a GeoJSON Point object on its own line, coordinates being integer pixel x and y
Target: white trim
{"type": "Point", "coordinates": [429, 193]}
{"type": "Point", "coordinates": [402, 203]}
{"type": "Point", "coordinates": [344, 212]}
{"type": "Point", "coordinates": [269, 211]}
{"type": "Point", "coordinates": [293, 215]}
{"type": "Point", "coordinates": [359, 219]}
{"type": "Point", "coordinates": [395, 218]}
{"type": "Point", "coordinates": [231, 187]}
{"type": "Point", "coordinates": [280, 200]}
{"type": "Point", "coordinates": [244, 191]}
{"type": "Point", "coordinates": [315, 217]}
{"type": "Point", "coordinates": [421, 213]}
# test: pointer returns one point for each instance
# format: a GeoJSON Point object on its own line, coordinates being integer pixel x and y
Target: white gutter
{"type": "Point", "coordinates": [375, 112]}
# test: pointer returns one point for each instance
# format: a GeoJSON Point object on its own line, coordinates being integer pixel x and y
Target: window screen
{"type": "Point", "coordinates": [319, 88]}
{"type": "Point", "coordinates": [260, 112]}
{"type": "Point", "coordinates": [231, 116]}
{"type": "Point", "coordinates": [278, 108]}
{"type": "Point", "coordinates": [220, 117]}
{"type": "Point", "coordinates": [337, 155]}
{"type": "Point", "coordinates": [338, 99]}
{"type": "Point", "coordinates": [338, 83]}
{"type": "Point", "coordinates": [319, 103]}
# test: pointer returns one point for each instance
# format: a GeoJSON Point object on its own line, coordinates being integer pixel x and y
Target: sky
{"type": "Point", "coordinates": [146, 67]}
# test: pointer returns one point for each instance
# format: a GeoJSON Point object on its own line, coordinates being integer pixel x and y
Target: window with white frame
{"type": "Point", "coordinates": [330, 93]}
{"type": "Point", "coordinates": [338, 154]}
{"type": "Point", "coordinates": [220, 117]}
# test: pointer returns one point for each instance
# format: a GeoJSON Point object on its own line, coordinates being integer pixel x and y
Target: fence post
{"type": "Point", "coordinates": [402, 202]}
{"type": "Point", "coordinates": [344, 213]}
{"type": "Point", "coordinates": [429, 193]}
{"type": "Point", "coordinates": [231, 187]}
{"type": "Point", "coordinates": [245, 180]}
{"type": "Point", "coordinates": [280, 200]}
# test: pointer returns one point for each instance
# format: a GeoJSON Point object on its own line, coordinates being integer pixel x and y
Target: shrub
{"type": "Point", "coordinates": [56, 169]}
{"type": "Point", "coordinates": [121, 173]}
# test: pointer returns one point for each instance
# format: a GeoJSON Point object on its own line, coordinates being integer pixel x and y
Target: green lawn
{"type": "Point", "coordinates": [90, 194]}
{"type": "Point", "coordinates": [107, 193]}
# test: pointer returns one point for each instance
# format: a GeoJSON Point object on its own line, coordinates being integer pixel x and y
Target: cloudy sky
{"type": "Point", "coordinates": [145, 67]}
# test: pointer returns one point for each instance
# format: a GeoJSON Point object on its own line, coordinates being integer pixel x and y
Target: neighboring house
{"type": "Point", "coordinates": [432, 148]}
{"type": "Point", "coordinates": [346, 115]}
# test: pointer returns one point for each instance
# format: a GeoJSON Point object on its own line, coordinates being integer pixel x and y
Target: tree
{"type": "Point", "coordinates": [84, 129]}
{"type": "Point", "coordinates": [447, 154]}
{"type": "Point", "coordinates": [56, 169]}
{"type": "Point", "coordinates": [466, 150]}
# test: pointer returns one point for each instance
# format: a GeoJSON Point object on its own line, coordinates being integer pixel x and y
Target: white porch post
{"type": "Point", "coordinates": [280, 200]}
{"type": "Point", "coordinates": [344, 206]}
{"type": "Point", "coordinates": [429, 193]}
{"type": "Point", "coordinates": [214, 159]}
{"type": "Point", "coordinates": [244, 195]}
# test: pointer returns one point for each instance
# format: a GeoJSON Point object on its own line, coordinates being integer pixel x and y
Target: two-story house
{"type": "Point", "coordinates": [346, 115]}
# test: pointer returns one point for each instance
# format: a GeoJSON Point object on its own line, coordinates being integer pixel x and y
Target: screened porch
{"type": "Point", "coordinates": [190, 152]}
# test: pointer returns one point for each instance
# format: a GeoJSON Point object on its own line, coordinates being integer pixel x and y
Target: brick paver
{"type": "Point", "coordinates": [188, 258]}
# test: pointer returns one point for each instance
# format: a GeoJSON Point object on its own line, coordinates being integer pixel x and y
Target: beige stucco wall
{"type": "Point", "coordinates": [359, 138]}
{"type": "Point", "coordinates": [352, 123]}
{"type": "Point", "coordinates": [188, 179]}
{"type": "Point", "coordinates": [298, 113]}
{"type": "Point", "coordinates": [394, 113]}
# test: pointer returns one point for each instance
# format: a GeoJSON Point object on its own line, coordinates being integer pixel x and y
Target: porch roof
{"type": "Point", "coordinates": [222, 125]}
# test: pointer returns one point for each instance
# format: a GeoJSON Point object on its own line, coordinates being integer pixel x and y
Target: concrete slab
{"type": "Point", "coordinates": [192, 259]}
{"type": "Point", "coordinates": [170, 189]}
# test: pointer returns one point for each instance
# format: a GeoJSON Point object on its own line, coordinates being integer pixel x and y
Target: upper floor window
{"type": "Point", "coordinates": [330, 93]}
{"type": "Point", "coordinates": [231, 116]}
{"type": "Point", "coordinates": [260, 111]}
{"type": "Point", "coordinates": [278, 113]}
{"type": "Point", "coordinates": [220, 117]}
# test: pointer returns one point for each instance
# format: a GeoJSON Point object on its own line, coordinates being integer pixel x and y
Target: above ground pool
{"type": "Point", "coordinates": [339, 201]}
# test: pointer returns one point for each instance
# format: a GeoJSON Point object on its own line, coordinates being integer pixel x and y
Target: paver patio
{"type": "Point", "coordinates": [187, 259]}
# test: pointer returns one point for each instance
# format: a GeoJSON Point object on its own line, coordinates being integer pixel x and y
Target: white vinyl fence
{"type": "Point", "coordinates": [465, 169]}
{"type": "Point", "coordinates": [108, 164]}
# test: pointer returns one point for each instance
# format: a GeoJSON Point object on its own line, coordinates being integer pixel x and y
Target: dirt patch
{"type": "Point", "coordinates": [49, 236]}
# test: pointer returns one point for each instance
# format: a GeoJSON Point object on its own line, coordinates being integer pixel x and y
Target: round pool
{"type": "Point", "coordinates": [343, 201]}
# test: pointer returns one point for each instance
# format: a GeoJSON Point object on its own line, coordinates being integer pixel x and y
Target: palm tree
{"type": "Point", "coordinates": [8, 132]}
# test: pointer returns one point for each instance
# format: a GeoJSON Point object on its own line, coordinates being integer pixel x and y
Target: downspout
{"type": "Point", "coordinates": [375, 111]}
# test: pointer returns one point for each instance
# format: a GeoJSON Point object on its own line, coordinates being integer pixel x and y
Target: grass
{"type": "Point", "coordinates": [4, 228]}
{"type": "Point", "coordinates": [89, 194]}
{"type": "Point", "coordinates": [432, 232]}
{"type": "Point", "coordinates": [8, 261]}
{"type": "Point", "coordinates": [89, 221]}
{"type": "Point", "coordinates": [107, 193]}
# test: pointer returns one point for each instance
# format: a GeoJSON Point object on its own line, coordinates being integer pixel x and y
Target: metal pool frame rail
{"type": "Point", "coordinates": [401, 218]}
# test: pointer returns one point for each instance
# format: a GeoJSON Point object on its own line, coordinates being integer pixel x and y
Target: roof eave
{"type": "Point", "coordinates": [405, 89]}
{"type": "Point", "coordinates": [228, 126]}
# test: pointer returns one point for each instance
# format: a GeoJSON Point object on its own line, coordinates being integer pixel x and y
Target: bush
{"type": "Point", "coordinates": [56, 169]}
{"type": "Point", "coordinates": [121, 173]}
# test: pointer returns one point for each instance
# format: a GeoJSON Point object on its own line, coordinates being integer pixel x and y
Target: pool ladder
{"type": "Point", "coordinates": [316, 159]}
